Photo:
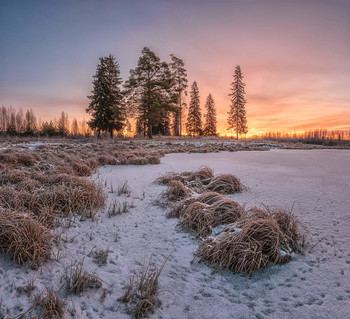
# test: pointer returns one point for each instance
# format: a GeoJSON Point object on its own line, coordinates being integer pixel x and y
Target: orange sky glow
{"type": "Point", "coordinates": [295, 56]}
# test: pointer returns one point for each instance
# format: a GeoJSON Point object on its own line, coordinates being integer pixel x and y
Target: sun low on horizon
{"type": "Point", "coordinates": [294, 56]}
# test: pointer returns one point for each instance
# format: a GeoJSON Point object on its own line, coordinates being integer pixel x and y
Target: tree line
{"type": "Point", "coordinates": [25, 123]}
{"type": "Point", "coordinates": [153, 95]}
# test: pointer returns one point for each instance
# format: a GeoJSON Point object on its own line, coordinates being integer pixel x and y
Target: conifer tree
{"type": "Point", "coordinates": [106, 101]}
{"type": "Point", "coordinates": [179, 74]}
{"type": "Point", "coordinates": [150, 93]}
{"type": "Point", "coordinates": [194, 118]}
{"type": "Point", "coordinates": [210, 117]}
{"type": "Point", "coordinates": [237, 115]}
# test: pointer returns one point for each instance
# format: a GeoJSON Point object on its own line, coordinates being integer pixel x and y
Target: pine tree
{"type": "Point", "coordinates": [237, 115]}
{"type": "Point", "coordinates": [106, 101]}
{"type": "Point", "coordinates": [150, 93]}
{"type": "Point", "coordinates": [194, 118]}
{"type": "Point", "coordinates": [180, 77]}
{"type": "Point", "coordinates": [210, 117]}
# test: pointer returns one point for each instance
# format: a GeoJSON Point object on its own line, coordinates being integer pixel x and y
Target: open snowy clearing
{"type": "Point", "coordinates": [315, 285]}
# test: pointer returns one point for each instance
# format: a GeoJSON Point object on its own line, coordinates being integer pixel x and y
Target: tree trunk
{"type": "Point", "coordinates": [180, 116]}
{"type": "Point", "coordinates": [111, 133]}
{"type": "Point", "coordinates": [98, 134]}
{"type": "Point", "coordinates": [149, 129]}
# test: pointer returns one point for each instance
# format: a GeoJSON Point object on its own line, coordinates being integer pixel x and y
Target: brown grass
{"type": "Point", "coordinates": [82, 169]}
{"type": "Point", "coordinates": [209, 198]}
{"type": "Point", "coordinates": [176, 191]}
{"type": "Point", "coordinates": [226, 211]}
{"type": "Point", "coordinates": [154, 160]}
{"type": "Point", "coordinates": [225, 184]}
{"type": "Point", "coordinates": [254, 242]}
{"type": "Point", "coordinates": [141, 291]}
{"type": "Point", "coordinates": [198, 218]}
{"type": "Point", "coordinates": [166, 178]}
{"type": "Point", "coordinates": [49, 305]}
{"type": "Point", "coordinates": [203, 175]}
{"type": "Point", "coordinates": [78, 280]}
{"type": "Point", "coordinates": [24, 238]}
{"type": "Point", "coordinates": [177, 210]}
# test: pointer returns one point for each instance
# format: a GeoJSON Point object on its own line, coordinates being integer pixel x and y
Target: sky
{"type": "Point", "coordinates": [294, 54]}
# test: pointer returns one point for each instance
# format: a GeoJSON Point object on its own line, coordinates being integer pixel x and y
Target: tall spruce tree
{"type": "Point", "coordinates": [194, 118]}
{"type": "Point", "coordinates": [177, 67]}
{"type": "Point", "coordinates": [150, 93]}
{"type": "Point", "coordinates": [106, 101]}
{"type": "Point", "coordinates": [210, 117]}
{"type": "Point", "coordinates": [237, 115]}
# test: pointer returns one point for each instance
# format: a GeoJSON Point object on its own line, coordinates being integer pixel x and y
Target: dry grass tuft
{"type": "Point", "coordinates": [176, 191]}
{"type": "Point", "coordinates": [225, 184]}
{"type": "Point", "coordinates": [50, 305]}
{"type": "Point", "coordinates": [26, 158]}
{"type": "Point", "coordinates": [247, 250]}
{"type": "Point", "coordinates": [24, 238]}
{"type": "Point", "coordinates": [78, 280]}
{"type": "Point", "coordinates": [254, 242]}
{"type": "Point", "coordinates": [82, 169]}
{"type": "Point", "coordinates": [166, 178]}
{"type": "Point", "coordinates": [154, 160]}
{"type": "Point", "coordinates": [203, 176]}
{"type": "Point", "coordinates": [61, 194]}
{"type": "Point", "coordinates": [198, 218]}
{"type": "Point", "coordinates": [226, 211]}
{"type": "Point", "coordinates": [209, 198]}
{"type": "Point", "coordinates": [178, 209]}
{"type": "Point", "coordinates": [141, 291]}
{"type": "Point", "coordinates": [197, 178]}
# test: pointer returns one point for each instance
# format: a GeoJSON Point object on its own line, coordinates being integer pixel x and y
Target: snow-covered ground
{"type": "Point", "coordinates": [315, 285]}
